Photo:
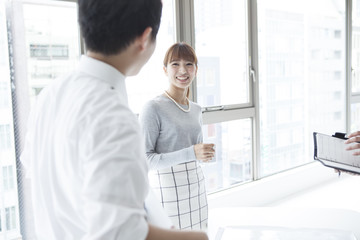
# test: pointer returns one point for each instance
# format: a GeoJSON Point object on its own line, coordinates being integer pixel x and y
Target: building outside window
{"type": "Point", "coordinates": [10, 217]}
{"type": "Point", "coordinates": [4, 100]}
{"type": "Point", "coordinates": [221, 43]}
{"type": "Point", "coordinates": [151, 81]}
{"type": "Point", "coordinates": [5, 142]}
{"type": "Point", "coordinates": [8, 178]}
{"type": "Point", "coordinates": [355, 68]}
{"type": "Point", "coordinates": [296, 89]}
{"type": "Point", "coordinates": [52, 41]}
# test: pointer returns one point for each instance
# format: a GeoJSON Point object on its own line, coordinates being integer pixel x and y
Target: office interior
{"type": "Point", "coordinates": [271, 72]}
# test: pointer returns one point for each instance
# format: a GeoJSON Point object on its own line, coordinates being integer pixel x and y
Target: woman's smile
{"type": "Point", "coordinates": [183, 79]}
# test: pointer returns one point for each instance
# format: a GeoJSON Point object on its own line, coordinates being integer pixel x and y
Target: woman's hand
{"type": "Point", "coordinates": [204, 151]}
{"type": "Point", "coordinates": [354, 138]}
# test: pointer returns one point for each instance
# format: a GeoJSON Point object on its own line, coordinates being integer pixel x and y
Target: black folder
{"type": "Point", "coordinates": [331, 152]}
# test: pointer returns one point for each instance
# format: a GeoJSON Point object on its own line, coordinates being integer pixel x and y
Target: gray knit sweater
{"type": "Point", "coordinates": [170, 134]}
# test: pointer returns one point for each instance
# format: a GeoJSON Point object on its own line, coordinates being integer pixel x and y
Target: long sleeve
{"type": "Point", "coordinates": [151, 126]}
{"type": "Point", "coordinates": [114, 182]}
{"type": "Point", "coordinates": [164, 160]}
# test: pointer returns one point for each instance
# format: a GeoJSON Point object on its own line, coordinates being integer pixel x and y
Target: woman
{"type": "Point", "coordinates": [173, 139]}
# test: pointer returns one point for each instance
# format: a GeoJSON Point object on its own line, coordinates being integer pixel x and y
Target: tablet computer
{"type": "Point", "coordinates": [331, 152]}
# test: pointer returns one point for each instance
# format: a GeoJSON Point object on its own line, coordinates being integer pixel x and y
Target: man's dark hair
{"type": "Point", "coordinates": [109, 26]}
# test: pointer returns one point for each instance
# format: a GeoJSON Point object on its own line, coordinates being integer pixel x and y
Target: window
{"type": "Point", "coordinates": [8, 178]}
{"type": "Point", "coordinates": [5, 143]}
{"type": "Point", "coordinates": [49, 45]}
{"type": "Point", "coordinates": [7, 148]}
{"type": "Point", "coordinates": [355, 68]}
{"type": "Point", "coordinates": [151, 81]}
{"type": "Point", "coordinates": [337, 54]}
{"type": "Point", "coordinates": [337, 34]}
{"type": "Point", "coordinates": [233, 147]}
{"type": "Point", "coordinates": [51, 41]}
{"type": "Point", "coordinates": [221, 44]}
{"type": "Point", "coordinates": [10, 218]}
{"type": "Point", "coordinates": [295, 66]}
{"type": "Point", "coordinates": [222, 49]}
{"type": "Point", "coordinates": [355, 53]}
{"type": "Point", "coordinates": [355, 117]}
{"type": "Point", "coordinates": [46, 51]}
{"type": "Point", "coordinates": [4, 95]}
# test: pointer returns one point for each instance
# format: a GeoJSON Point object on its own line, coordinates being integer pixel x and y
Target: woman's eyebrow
{"type": "Point", "coordinates": [178, 60]}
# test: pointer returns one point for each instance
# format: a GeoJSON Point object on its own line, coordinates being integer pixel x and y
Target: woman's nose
{"type": "Point", "coordinates": [182, 69]}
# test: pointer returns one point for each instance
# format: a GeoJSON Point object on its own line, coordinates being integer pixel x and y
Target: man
{"type": "Point", "coordinates": [83, 149]}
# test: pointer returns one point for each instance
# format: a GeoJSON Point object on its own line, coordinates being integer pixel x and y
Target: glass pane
{"type": "Point", "coordinates": [7, 218]}
{"type": "Point", "coordinates": [355, 117]}
{"type": "Point", "coordinates": [221, 46]}
{"type": "Point", "coordinates": [8, 188]}
{"type": "Point", "coordinates": [302, 78]}
{"type": "Point", "coordinates": [233, 147]}
{"type": "Point", "coordinates": [355, 51]}
{"type": "Point", "coordinates": [11, 177]}
{"type": "Point", "coordinates": [151, 81]}
{"type": "Point", "coordinates": [52, 42]}
{"type": "Point", "coordinates": [5, 178]}
{"type": "Point", "coordinates": [13, 218]}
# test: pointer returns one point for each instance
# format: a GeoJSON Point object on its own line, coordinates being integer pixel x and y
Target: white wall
{"type": "Point", "coordinates": [310, 185]}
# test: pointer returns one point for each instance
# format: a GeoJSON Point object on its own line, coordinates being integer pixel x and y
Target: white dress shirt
{"type": "Point", "coordinates": [84, 154]}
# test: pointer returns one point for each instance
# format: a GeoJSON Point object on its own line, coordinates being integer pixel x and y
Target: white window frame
{"type": "Point", "coordinates": [186, 32]}
{"type": "Point", "coordinates": [185, 26]}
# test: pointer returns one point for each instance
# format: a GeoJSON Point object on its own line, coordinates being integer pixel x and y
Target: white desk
{"type": "Point", "coordinates": [313, 218]}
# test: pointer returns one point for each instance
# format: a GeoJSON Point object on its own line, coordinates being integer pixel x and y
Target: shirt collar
{"type": "Point", "coordinates": [103, 72]}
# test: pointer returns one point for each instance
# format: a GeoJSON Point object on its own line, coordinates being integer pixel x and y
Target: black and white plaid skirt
{"type": "Point", "coordinates": [181, 191]}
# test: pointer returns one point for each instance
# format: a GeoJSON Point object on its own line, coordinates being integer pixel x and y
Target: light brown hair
{"type": "Point", "coordinates": [179, 51]}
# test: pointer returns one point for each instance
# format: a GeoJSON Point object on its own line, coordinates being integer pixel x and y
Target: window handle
{"type": "Point", "coordinates": [252, 74]}
{"type": "Point", "coordinates": [215, 108]}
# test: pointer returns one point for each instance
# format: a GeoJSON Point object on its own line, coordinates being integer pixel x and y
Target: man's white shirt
{"type": "Point", "coordinates": [84, 154]}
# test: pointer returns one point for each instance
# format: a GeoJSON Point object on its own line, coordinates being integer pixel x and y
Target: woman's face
{"type": "Point", "coordinates": [180, 72]}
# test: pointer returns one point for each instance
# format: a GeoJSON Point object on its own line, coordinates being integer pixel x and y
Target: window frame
{"type": "Point", "coordinates": [216, 114]}
{"type": "Point", "coordinates": [352, 97]}
{"type": "Point", "coordinates": [20, 105]}
{"type": "Point", "coordinates": [185, 29]}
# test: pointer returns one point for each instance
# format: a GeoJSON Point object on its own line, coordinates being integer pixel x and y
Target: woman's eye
{"type": "Point", "coordinates": [174, 64]}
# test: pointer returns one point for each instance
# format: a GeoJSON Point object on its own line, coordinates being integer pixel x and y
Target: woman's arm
{"type": "Point", "coordinates": [151, 126]}
{"type": "Point", "coordinates": [164, 160]}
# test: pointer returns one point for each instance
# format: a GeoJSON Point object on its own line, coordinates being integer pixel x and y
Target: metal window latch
{"type": "Point", "coordinates": [215, 108]}
{"type": "Point", "coordinates": [252, 74]}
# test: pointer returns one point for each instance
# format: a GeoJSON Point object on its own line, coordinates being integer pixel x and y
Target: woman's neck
{"type": "Point", "coordinates": [178, 95]}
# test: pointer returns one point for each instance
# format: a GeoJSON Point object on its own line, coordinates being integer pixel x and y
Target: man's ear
{"type": "Point", "coordinates": [145, 38]}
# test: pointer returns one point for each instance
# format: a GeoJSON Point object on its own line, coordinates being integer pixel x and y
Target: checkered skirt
{"type": "Point", "coordinates": [181, 191]}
